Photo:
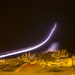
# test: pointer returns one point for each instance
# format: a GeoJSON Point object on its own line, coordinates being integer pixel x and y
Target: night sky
{"type": "Point", "coordinates": [27, 23]}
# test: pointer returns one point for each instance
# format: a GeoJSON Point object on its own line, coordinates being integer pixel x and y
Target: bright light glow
{"type": "Point", "coordinates": [31, 48]}
{"type": "Point", "coordinates": [54, 46]}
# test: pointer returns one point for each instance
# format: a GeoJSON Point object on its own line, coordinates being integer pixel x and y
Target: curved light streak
{"type": "Point", "coordinates": [31, 48]}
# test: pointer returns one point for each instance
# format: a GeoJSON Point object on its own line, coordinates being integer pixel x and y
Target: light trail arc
{"type": "Point", "coordinates": [31, 48]}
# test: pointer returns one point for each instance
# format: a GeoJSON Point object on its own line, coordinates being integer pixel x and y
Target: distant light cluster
{"type": "Point", "coordinates": [31, 48]}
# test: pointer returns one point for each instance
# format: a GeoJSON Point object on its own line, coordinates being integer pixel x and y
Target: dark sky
{"type": "Point", "coordinates": [27, 23]}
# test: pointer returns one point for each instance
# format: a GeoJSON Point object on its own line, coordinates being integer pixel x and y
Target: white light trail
{"type": "Point", "coordinates": [31, 48]}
